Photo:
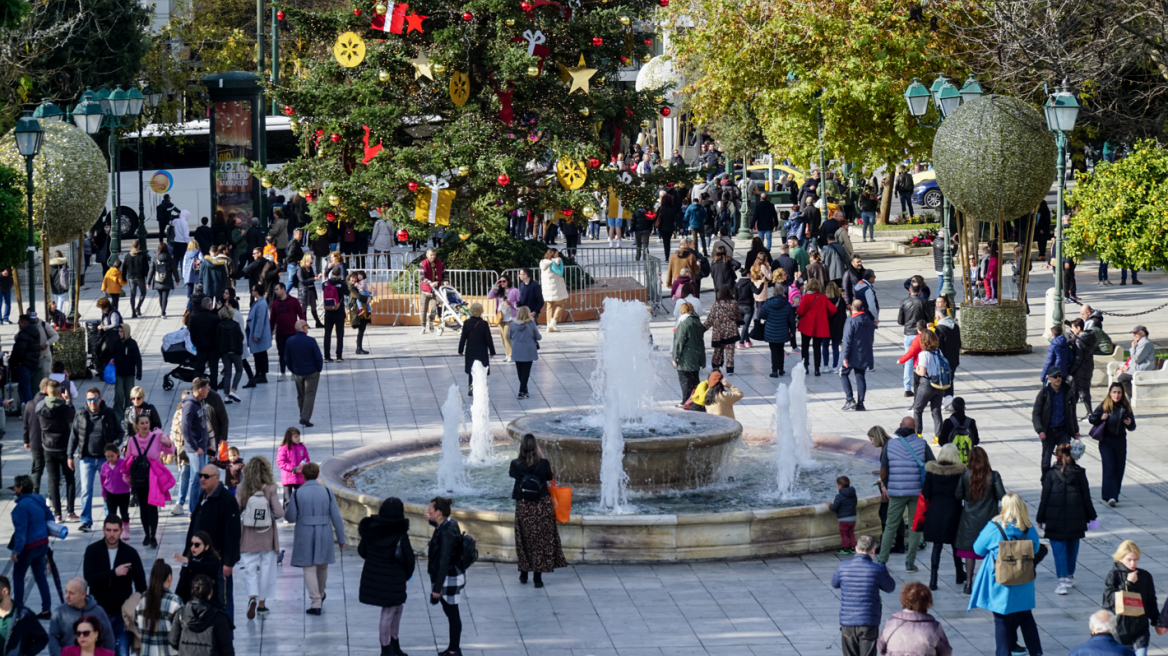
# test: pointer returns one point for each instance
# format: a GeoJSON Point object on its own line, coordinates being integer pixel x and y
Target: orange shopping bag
{"type": "Point", "coordinates": [562, 500]}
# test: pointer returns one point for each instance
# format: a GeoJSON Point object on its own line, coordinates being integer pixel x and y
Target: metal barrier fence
{"type": "Point", "coordinates": [386, 260]}
{"type": "Point", "coordinates": [395, 291]}
{"type": "Point", "coordinates": [589, 256]}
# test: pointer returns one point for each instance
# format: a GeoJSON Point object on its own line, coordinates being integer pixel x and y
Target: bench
{"type": "Point", "coordinates": [1101, 377]}
{"type": "Point", "coordinates": [1150, 388]}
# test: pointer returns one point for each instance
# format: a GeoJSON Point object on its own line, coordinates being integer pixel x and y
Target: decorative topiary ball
{"type": "Point", "coordinates": [70, 180]}
{"type": "Point", "coordinates": [995, 157]}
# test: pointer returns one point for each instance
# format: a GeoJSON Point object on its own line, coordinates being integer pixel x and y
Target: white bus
{"type": "Point", "coordinates": [178, 165]}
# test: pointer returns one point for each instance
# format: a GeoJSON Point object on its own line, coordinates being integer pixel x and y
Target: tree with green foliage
{"type": "Point", "coordinates": [487, 107]}
{"type": "Point", "coordinates": [1121, 211]}
{"type": "Point", "coordinates": [849, 59]}
{"type": "Point", "coordinates": [13, 227]}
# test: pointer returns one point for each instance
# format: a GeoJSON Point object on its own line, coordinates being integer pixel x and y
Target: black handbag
{"type": "Point", "coordinates": [757, 331]}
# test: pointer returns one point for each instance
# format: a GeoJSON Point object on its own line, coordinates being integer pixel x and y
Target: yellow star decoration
{"type": "Point", "coordinates": [580, 76]}
{"type": "Point", "coordinates": [422, 66]}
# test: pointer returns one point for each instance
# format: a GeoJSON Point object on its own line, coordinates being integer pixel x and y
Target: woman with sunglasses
{"type": "Point", "coordinates": [140, 408]}
{"type": "Point", "coordinates": [87, 630]}
{"type": "Point", "coordinates": [203, 560]}
{"type": "Point", "coordinates": [154, 491]}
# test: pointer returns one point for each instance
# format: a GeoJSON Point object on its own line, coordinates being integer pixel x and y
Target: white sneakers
{"type": "Point", "coordinates": [178, 510]}
{"type": "Point", "coordinates": [507, 359]}
{"type": "Point", "coordinates": [1062, 587]}
{"type": "Point", "coordinates": [1070, 581]}
{"type": "Point", "coordinates": [1111, 502]}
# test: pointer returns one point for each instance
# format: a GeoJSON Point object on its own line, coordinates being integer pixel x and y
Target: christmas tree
{"type": "Point", "coordinates": [452, 115]}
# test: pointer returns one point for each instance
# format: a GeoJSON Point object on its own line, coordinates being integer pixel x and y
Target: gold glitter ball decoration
{"type": "Point", "coordinates": [510, 22]}
{"type": "Point", "coordinates": [624, 20]}
{"type": "Point", "coordinates": [383, 76]}
{"type": "Point", "coordinates": [438, 69]}
{"type": "Point", "coordinates": [584, 111]}
{"type": "Point", "coordinates": [70, 180]}
{"type": "Point", "coordinates": [993, 328]}
{"type": "Point", "coordinates": [463, 171]}
{"type": "Point", "coordinates": [334, 200]}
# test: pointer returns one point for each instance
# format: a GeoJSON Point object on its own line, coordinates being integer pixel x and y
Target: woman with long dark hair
{"type": "Point", "coordinates": [446, 579]}
{"type": "Point", "coordinates": [1065, 513]}
{"type": "Point", "coordinates": [157, 610]}
{"type": "Point", "coordinates": [304, 281]}
{"type": "Point", "coordinates": [944, 513]}
{"type": "Point", "coordinates": [162, 276]}
{"type": "Point", "coordinates": [203, 560]}
{"type": "Point", "coordinates": [723, 319]}
{"type": "Point", "coordinates": [667, 216]}
{"type": "Point", "coordinates": [389, 565]}
{"type": "Point", "coordinates": [537, 541]}
{"type": "Point", "coordinates": [980, 489]}
{"type": "Point", "coordinates": [1115, 413]}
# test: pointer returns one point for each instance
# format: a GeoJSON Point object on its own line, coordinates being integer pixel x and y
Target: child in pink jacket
{"type": "Point", "coordinates": [291, 458]}
{"type": "Point", "coordinates": [114, 489]}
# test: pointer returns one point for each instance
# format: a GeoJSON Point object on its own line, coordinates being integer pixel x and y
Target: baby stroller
{"type": "Point", "coordinates": [176, 353]}
{"type": "Point", "coordinates": [451, 310]}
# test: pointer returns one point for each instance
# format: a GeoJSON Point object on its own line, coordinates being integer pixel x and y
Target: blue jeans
{"type": "Point", "coordinates": [594, 229]}
{"type": "Point", "coordinates": [5, 304]}
{"type": "Point", "coordinates": [765, 235]}
{"type": "Point", "coordinates": [906, 203]}
{"type": "Point", "coordinates": [908, 366]}
{"type": "Point", "coordinates": [1065, 553]}
{"type": "Point", "coordinates": [34, 558]}
{"type": "Point", "coordinates": [869, 227]}
{"type": "Point", "coordinates": [835, 351]}
{"type": "Point", "coordinates": [197, 464]}
{"type": "Point", "coordinates": [1123, 276]}
{"type": "Point", "coordinates": [184, 484]}
{"type": "Point", "coordinates": [122, 643]}
{"type": "Point", "coordinates": [89, 468]}
{"type": "Point", "coordinates": [291, 270]}
{"type": "Point", "coordinates": [1102, 271]}
{"type": "Point", "coordinates": [61, 300]}
{"type": "Point", "coordinates": [24, 383]}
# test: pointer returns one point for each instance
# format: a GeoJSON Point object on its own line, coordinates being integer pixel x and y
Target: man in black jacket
{"type": "Point", "coordinates": [1054, 415]}
{"type": "Point", "coordinates": [204, 324]}
{"type": "Point", "coordinates": [114, 571]}
{"type": "Point", "coordinates": [765, 220]}
{"type": "Point", "coordinates": [217, 513]}
{"type": "Point", "coordinates": [25, 356]}
{"type": "Point", "coordinates": [201, 628]}
{"type": "Point", "coordinates": [912, 310]}
{"type": "Point", "coordinates": [56, 417]}
{"type": "Point", "coordinates": [93, 428]}
{"type": "Point", "coordinates": [32, 436]}
{"type": "Point", "coordinates": [24, 636]}
{"type": "Point", "coordinates": [852, 277]}
{"type": "Point", "coordinates": [1083, 361]}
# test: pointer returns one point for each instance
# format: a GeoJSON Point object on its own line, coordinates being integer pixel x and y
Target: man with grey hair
{"type": "Point", "coordinates": [78, 604]}
{"type": "Point", "coordinates": [305, 361]}
{"type": "Point", "coordinates": [1102, 642]}
{"type": "Point", "coordinates": [860, 581]}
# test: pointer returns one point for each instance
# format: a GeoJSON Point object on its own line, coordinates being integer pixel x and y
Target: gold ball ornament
{"type": "Point", "coordinates": [334, 200]}
{"type": "Point", "coordinates": [510, 22]}
{"type": "Point", "coordinates": [533, 71]}
{"type": "Point", "coordinates": [438, 69]}
{"type": "Point", "coordinates": [588, 211]}
{"type": "Point", "coordinates": [304, 191]}
{"type": "Point", "coordinates": [645, 123]}
{"type": "Point", "coordinates": [584, 111]}
{"type": "Point", "coordinates": [383, 75]}
{"type": "Point", "coordinates": [267, 184]}
{"type": "Point", "coordinates": [70, 181]}
{"type": "Point", "coordinates": [322, 231]}
{"type": "Point", "coordinates": [464, 235]}
{"type": "Point", "coordinates": [380, 8]}
{"type": "Point", "coordinates": [349, 50]}
{"type": "Point", "coordinates": [463, 171]}
{"type": "Point", "coordinates": [658, 99]}
{"type": "Point", "coordinates": [294, 125]}
{"type": "Point", "coordinates": [625, 20]}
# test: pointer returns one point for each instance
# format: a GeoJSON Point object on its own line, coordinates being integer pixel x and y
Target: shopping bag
{"type": "Point", "coordinates": [562, 500]}
{"type": "Point", "coordinates": [918, 522]}
{"type": "Point", "coordinates": [1129, 603]}
{"type": "Point", "coordinates": [110, 373]}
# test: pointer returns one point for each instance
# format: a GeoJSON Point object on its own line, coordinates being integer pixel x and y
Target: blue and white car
{"type": "Point", "coordinates": [926, 191]}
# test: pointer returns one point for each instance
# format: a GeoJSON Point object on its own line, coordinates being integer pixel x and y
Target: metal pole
{"type": "Point", "coordinates": [115, 220]}
{"type": "Point", "coordinates": [947, 263]}
{"type": "Point", "coordinates": [31, 243]}
{"type": "Point", "coordinates": [822, 167]}
{"type": "Point", "coordinates": [1057, 315]}
{"type": "Point", "coordinates": [260, 39]}
{"type": "Point", "coordinates": [142, 196]}
{"type": "Point", "coordinates": [275, 54]}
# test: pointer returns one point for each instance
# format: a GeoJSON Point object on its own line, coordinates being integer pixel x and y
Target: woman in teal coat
{"type": "Point", "coordinates": [1010, 604]}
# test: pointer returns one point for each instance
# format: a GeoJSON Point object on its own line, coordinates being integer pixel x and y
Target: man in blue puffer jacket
{"type": "Point", "coordinates": [860, 581]}
{"type": "Point", "coordinates": [1058, 354]}
{"type": "Point", "coordinates": [30, 541]}
{"type": "Point", "coordinates": [902, 471]}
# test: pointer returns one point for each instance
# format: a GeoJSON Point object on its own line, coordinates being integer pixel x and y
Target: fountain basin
{"type": "Point", "coordinates": [755, 533]}
{"type": "Point", "coordinates": [670, 450]}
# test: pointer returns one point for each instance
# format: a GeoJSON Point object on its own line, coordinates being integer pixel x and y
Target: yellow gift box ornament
{"type": "Point", "coordinates": [616, 208]}
{"type": "Point", "coordinates": [434, 202]}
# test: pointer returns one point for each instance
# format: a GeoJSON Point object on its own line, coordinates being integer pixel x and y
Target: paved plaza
{"type": "Point", "coordinates": [742, 608]}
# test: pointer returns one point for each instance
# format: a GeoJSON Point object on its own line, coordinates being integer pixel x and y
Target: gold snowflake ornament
{"type": "Point", "coordinates": [349, 50]}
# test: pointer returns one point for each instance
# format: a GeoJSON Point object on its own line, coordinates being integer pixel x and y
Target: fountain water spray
{"type": "Point", "coordinates": [451, 473]}
{"type": "Point", "coordinates": [480, 416]}
{"type": "Point", "coordinates": [800, 419]}
{"type": "Point", "coordinates": [622, 388]}
{"type": "Point", "coordinates": [786, 460]}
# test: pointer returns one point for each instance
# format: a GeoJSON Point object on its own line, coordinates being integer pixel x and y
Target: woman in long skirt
{"type": "Point", "coordinates": [537, 540]}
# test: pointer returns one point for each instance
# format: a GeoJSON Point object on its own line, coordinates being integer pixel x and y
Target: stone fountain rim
{"type": "Point", "coordinates": [730, 430]}
{"type": "Point", "coordinates": [334, 474]}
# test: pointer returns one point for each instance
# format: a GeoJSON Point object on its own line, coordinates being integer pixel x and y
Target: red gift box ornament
{"type": "Point", "coordinates": [396, 11]}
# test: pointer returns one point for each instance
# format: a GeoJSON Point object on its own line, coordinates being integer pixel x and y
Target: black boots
{"type": "Point", "coordinates": [393, 648]}
{"type": "Point", "coordinates": [538, 580]}
{"type": "Point", "coordinates": [523, 577]}
{"type": "Point", "coordinates": [933, 579]}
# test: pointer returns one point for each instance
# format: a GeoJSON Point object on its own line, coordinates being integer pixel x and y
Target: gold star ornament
{"type": "Point", "coordinates": [422, 66]}
{"type": "Point", "coordinates": [580, 76]}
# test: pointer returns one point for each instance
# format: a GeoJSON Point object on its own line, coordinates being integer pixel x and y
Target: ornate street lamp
{"type": "Point", "coordinates": [29, 136]}
{"type": "Point", "coordinates": [1062, 110]}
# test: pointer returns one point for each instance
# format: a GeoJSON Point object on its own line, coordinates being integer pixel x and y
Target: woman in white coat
{"type": "Point", "coordinates": [382, 241]}
{"type": "Point", "coordinates": [555, 290]}
{"type": "Point", "coordinates": [190, 266]}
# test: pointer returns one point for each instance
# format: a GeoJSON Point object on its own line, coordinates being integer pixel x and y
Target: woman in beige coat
{"type": "Point", "coordinates": [259, 508]}
{"type": "Point", "coordinates": [555, 290]}
{"type": "Point", "coordinates": [721, 396]}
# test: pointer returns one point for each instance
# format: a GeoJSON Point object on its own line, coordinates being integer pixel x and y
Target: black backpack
{"type": "Point", "coordinates": [468, 554]}
{"type": "Point", "coordinates": [530, 487]}
{"type": "Point", "coordinates": [140, 467]}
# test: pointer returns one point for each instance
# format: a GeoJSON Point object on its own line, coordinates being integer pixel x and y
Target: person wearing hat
{"type": "Point", "coordinates": [1054, 415]}
{"type": "Point", "coordinates": [1143, 358]}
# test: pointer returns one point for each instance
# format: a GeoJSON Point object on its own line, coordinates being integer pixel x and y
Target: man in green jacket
{"type": "Point", "coordinates": [689, 350]}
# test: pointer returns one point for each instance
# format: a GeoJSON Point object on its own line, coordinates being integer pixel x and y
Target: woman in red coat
{"type": "Point", "coordinates": [815, 311]}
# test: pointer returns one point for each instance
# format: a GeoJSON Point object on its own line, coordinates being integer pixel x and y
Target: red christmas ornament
{"type": "Point", "coordinates": [593, 162]}
{"type": "Point", "coordinates": [309, 197]}
{"type": "Point", "coordinates": [467, 16]}
{"type": "Point", "coordinates": [525, 6]}
{"type": "Point", "coordinates": [330, 216]}
{"type": "Point", "coordinates": [279, 15]}
{"type": "Point", "coordinates": [413, 185]}
{"type": "Point", "coordinates": [319, 133]}
{"type": "Point", "coordinates": [665, 111]}
{"type": "Point", "coordinates": [503, 180]}
{"type": "Point", "coordinates": [648, 42]}
{"type": "Point", "coordinates": [336, 138]}
{"type": "Point", "coordinates": [663, 3]}
{"type": "Point", "coordinates": [357, 11]}
{"type": "Point", "coordinates": [669, 184]}
{"type": "Point", "coordinates": [566, 211]}
{"type": "Point", "coordinates": [650, 214]}
{"type": "Point", "coordinates": [597, 41]}
{"type": "Point", "coordinates": [288, 110]}
{"type": "Point", "coordinates": [622, 61]}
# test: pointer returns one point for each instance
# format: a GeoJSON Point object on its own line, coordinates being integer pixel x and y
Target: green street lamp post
{"type": "Point", "coordinates": [149, 99]}
{"type": "Point", "coordinates": [29, 136]}
{"type": "Point", "coordinates": [947, 98]}
{"type": "Point", "coordinates": [1062, 110]}
{"type": "Point", "coordinates": [109, 109]}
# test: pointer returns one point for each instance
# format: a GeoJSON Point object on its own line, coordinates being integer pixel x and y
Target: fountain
{"type": "Point", "coordinates": [451, 472]}
{"type": "Point", "coordinates": [649, 484]}
{"type": "Point", "coordinates": [480, 416]}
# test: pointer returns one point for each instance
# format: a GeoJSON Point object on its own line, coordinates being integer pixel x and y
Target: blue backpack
{"type": "Point", "coordinates": [939, 371]}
